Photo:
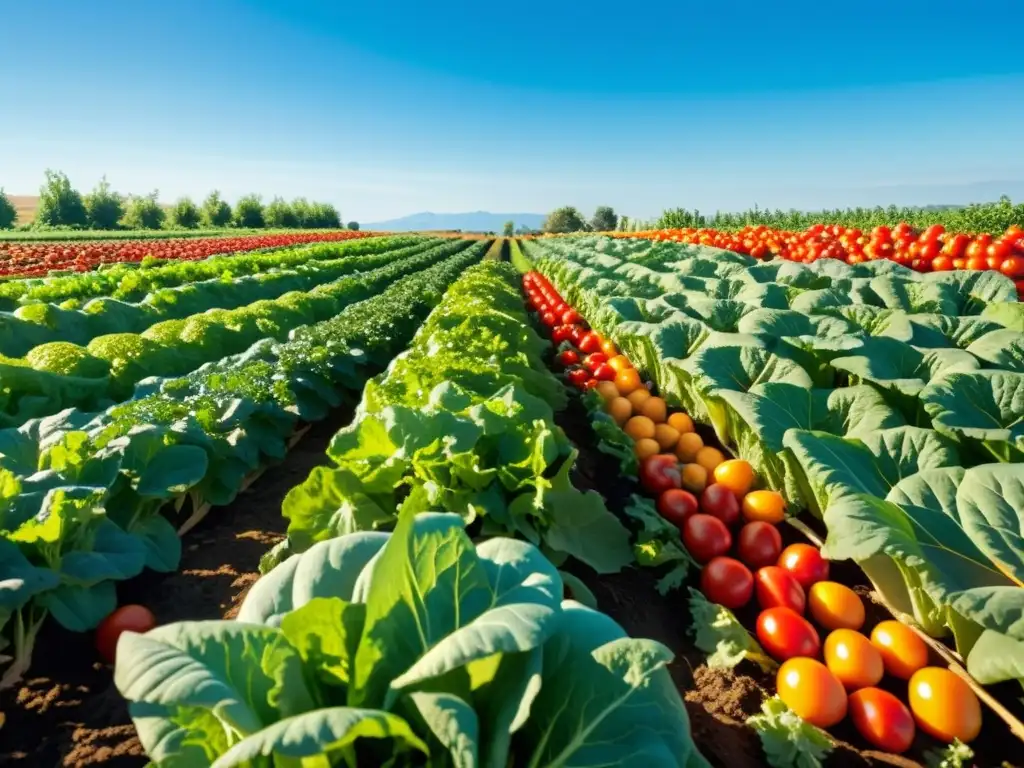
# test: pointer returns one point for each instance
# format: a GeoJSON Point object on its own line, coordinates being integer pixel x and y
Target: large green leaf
{"type": "Point", "coordinates": [1003, 349]}
{"type": "Point", "coordinates": [984, 408]}
{"type": "Point", "coordinates": [938, 331]}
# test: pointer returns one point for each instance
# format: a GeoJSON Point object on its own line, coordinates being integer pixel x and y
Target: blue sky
{"type": "Point", "coordinates": [389, 108]}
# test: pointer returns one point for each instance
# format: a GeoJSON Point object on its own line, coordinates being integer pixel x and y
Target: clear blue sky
{"type": "Point", "coordinates": [387, 108]}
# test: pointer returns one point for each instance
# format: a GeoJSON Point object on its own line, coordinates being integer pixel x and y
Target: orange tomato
{"type": "Point", "coordinates": [638, 397]}
{"type": "Point", "coordinates": [687, 447]}
{"type": "Point", "coordinates": [809, 689]}
{"type": "Point", "coordinates": [767, 506]}
{"type": "Point", "coordinates": [735, 474]}
{"type": "Point", "coordinates": [627, 381]}
{"type": "Point", "coordinates": [607, 390]}
{"type": "Point", "coordinates": [646, 446]}
{"type": "Point", "coordinates": [666, 436]}
{"type": "Point", "coordinates": [639, 427]}
{"type": "Point", "coordinates": [903, 652]}
{"type": "Point", "coordinates": [882, 719]}
{"type": "Point", "coordinates": [620, 410]}
{"type": "Point", "coordinates": [654, 409]}
{"type": "Point", "coordinates": [695, 478]}
{"type": "Point", "coordinates": [620, 363]}
{"type": "Point", "coordinates": [709, 458]}
{"type": "Point", "coordinates": [944, 705]}
{"type": "Point", "coordinates": [835, 606]}
{"type": "Point", "coordinates": [681, 422]}
{"type": "Point", "coordinates": [852, 658]}
{"type": "Point", "coordinates": [609, 348]}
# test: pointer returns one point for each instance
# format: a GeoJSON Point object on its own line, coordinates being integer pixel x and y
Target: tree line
{"type": "Point", "coordinates": [63, 206]}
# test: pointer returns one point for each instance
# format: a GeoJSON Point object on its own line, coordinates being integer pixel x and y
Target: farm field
{"type": "Point", "coordinates": [411, 500]}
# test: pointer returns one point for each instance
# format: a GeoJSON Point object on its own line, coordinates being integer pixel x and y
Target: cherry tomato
{"type": "Point", "coordinates": [944, 705]}
{"type": "Point", "coordinates": [578, 332]}
{"type": "Point", "coordinates": [548, 318]}
{"type": "Point", "coordinates": [675, 505]}
{"type": "Point", "coordinates": [811, 691]}
{"type": "Point", "coordinates": [127, 618]}
{"type": "Point", "coordinates": [570, 317]}
{"type": "Point", "coordinates": [835, 606]}
{"type": "Point", "coordinates": [594, 359]}
{"type": "Point", "coordinates": [660, 472]}
{"type": "Point", "coordinates": [568, 357]}
{"type": "Point", "coordinates": [882, 719]}
{"type": "Point", "coordinates": [609, 348]}
{"type": "Point", "coordinates": [578, 377]}
{"type": "Point", "coordinates": [721, 502]}
{"type": "Point", "coordinates": [758, 544]}
{"type": "Point", "coordinates": [764, 505]}
{"type": "Point", "coordinates": [784, 633]}
{"type": "Point", "coordinates": [591, 384]}
{"type": "Point", "coordinates": [777, 587]}
{"type": "Point", "coordinates": [706, 537]}
{"type": "Point", "coordinates": [604, 372]}
{"type": "Point", "coordinates": [561, 333]}
{"type": "Point", "coordinates": [735, 474]}
{"type": "Point", "coordinates": [727, 582]}
{"type": "Point", "coordinates": [853, 659]}
{"type": "Point", "coordinates": [590, 342]}
{"type": "Point", "coordinates": [903, 652]}
{"type": "Point", "coordinates": [805, 563]}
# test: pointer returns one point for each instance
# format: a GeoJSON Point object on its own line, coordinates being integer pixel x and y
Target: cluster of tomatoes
{"type": "Point", "coordinates": [931, 249]}
{"type": "Point", "coordinates": [731, 530]}
{"type": "Point", "coordinates": [37, 259]}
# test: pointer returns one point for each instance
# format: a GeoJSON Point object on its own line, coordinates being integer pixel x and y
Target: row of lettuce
{"type": "Point", "coordinates": [448, 641]}
{"type": "Point", "coordinates": [81, 492]}
{"type": "Point", "coordinates": [95, 356]}
{"type": "Point", "coordinates": [886, 402]}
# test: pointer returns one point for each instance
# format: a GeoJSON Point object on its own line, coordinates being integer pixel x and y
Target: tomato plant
{"type": "Point", "coordinates": [805, 563]}
{"type": "Point", "coordinates": [706, 537]}
{"type": "Point", "coordinates": [777, 587]}
{"type": "Point", "coordinates": [727, 582]}
{"type": "Point", "coordinates": [758, 544]}
{"type": "Point", "coordinates": [127, 618]}
{"type": "Point", "coordinates": [784, 633]}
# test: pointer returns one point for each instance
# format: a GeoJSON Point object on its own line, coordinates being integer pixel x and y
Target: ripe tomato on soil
{"type": "Point", "coordinates": [805, 563]}
{"type": "Point", "coordinates": [777, 587]}
{"type": "Point", "coordinates": [882, 719]}
{"type": "Point", "coordinates": [785, 634]}
{"type": "Point", "coordinates": [835, 606]}
{"type": "Point", "coordinates": [768, 506]}
{"type": "Point", "coordinates": [706, 537]}
{"type": "Point", "coordinates": [944, 706]}
{"type": "Point", "coordinates": [759, 544]}
{"type": "Point", "coordinates": [727, 582]}
{"type": "Point", "coordinates": [127, 618]}
{"type": "Point", "coordinates": [676, 505]}
{"type": "Point", "coordinates": [852, 658]}
{"type": "Point", "coordinates": [660, 472]}
{"type": "Point", "coordinates": [735, 474]}
{"type": "Point", "coordinates": [720, 501]}
{"type": "Point", "coordinates": [903, 652]}
{"type": "Point", "coordinates": [811, 691]}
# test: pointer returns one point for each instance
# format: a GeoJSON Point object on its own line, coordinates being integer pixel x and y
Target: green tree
{"type": "Point", "coordinates": [144, 212]}
{"type": "Point", "coordinates": [249, 212]}
{"type": "Point", "coordinates": [624, 224]}
{"type": "Point", "coordinates": [509, 229]}
{"type": "Point", "coordinates": [565, 219]}
{"type": "Point", "coordinates": [215, 212]}
{"type": "Point", "coordinates": [353, 225]}
{"type": "Point", "coordinates": [8, 213]}
{"type": "Point", "coordinates": [104, 207]}
{"type": "Point", "coordinates": [604, 219]}
{"type": "Point", "coordinates": [185, 214]}
{"type": "Point", "coordinates": [280, 215]}
{"type": "Point", "coordinates": [323, 216]}
{"type": "Point", "coordinates": [59, 204]}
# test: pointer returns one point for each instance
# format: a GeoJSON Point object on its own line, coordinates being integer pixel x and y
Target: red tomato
{"type": "Point", "coordinates": [590, 342]}
{"type": "Point", "coordinates": [706, 537]}
{"type": "Point", "coordinates": [805, 563]}
{"type": "Point", "coordinates": [578, 377]}
{"type": "Point", "coordinates": [777, 587]}
{"type": "Point", "coordinates": [548, 318]}
{"type": "Point", "coordinates": [127, 618]}
{"type": "Point", "coordinates": [605, 372]}
{"type": "Point", "coordinates": [591, 383]}
{"type": "Point", "coordinates": [882, 719]}
{"type": "Point", "coordinates": [561, 333]}
{"type": "Point", "coordinates": [759, 544]}
{"type": "Point", "coordinates": [568, 357]}
{"type": "Point", "coordinates": [675, 505]}
{"type": "Point", "coordinates": [578, 332]}
{"type": "Point", "coordinates": [594, 359]}
{"type": "Point", "coordinates": [721, 502]}
{"type": "Point", "coordinates": [571, 317]}
{"type": "Point", "coordinates": [1012, 267]}
{"type": "Point", "coordinates": [785, 634]}
{"type": "Point", "coordinates": [727, 582]}
{"type": "Point", "coordinates": [660, 472]}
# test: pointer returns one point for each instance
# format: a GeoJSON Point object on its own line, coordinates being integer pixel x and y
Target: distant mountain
{"type": "Point", "coordinates": [477, 221]}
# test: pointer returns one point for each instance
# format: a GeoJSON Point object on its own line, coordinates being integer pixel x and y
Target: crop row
{"type": "Point", "coordinates": [886, 402]}
{"type": "Point", "coordinates": [36, 259]}
{"type": "Point", "coordinates": [61, 374]}
{"type": "Point", "coordinates": [931, 249]}
{"type": "Point", "coordinates": [81, 493]}
{"type": "Point", "coordinates": [419, 646]}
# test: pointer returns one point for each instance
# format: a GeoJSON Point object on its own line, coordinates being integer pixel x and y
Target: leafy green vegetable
{"type": "Point", "coordinates": [718, 633]}
{"type": "Point", "coordinates": [789, 740]}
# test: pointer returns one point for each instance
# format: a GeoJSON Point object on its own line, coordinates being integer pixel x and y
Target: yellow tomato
{"type": "Point", "coordinates": [709, 458]}
{"type": "Point", "coordinates": [620, 410]}
{"type": "Point", "coordinates": [645, 447]}
{"type": "Point", "coordinates": [903, 652]}
{"type": "Point", "coordinates": [654, 409]}
{"type": "Point", "coordinates": [620, 363]}
{"type": "Point", "coordinates": [944, 705]}
{"type": "Point", "coordinates": [810, 690]}
{"type": "Point", "coordinates": [638, 397]}
{"type": "Point", "coordinates": [852, 658]}
{"type": "Point", "coordinates": [639, 427]}
{"type": "Point", "coordinates": [681, 422]}
{"type": "Point", "coordinates": [767, 506]}
{"type": "Point", "coordinates": [835, 606]}
{"type": "Point", "coordinates": [628, 381]}
{"type": "Point", "coordinates": [735, 474]}
{"type": "Point", "coordinates": [687, 447]}
{"type": "Point", "coordinates": [666, 436]}
{"type": "Point", "coordinates": [695, 478]}
{"type": "Point", "coordinates": [607, 390]}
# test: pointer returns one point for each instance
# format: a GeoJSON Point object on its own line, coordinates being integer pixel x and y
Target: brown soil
{"type": "Point", "coordinates": [67, 711]}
